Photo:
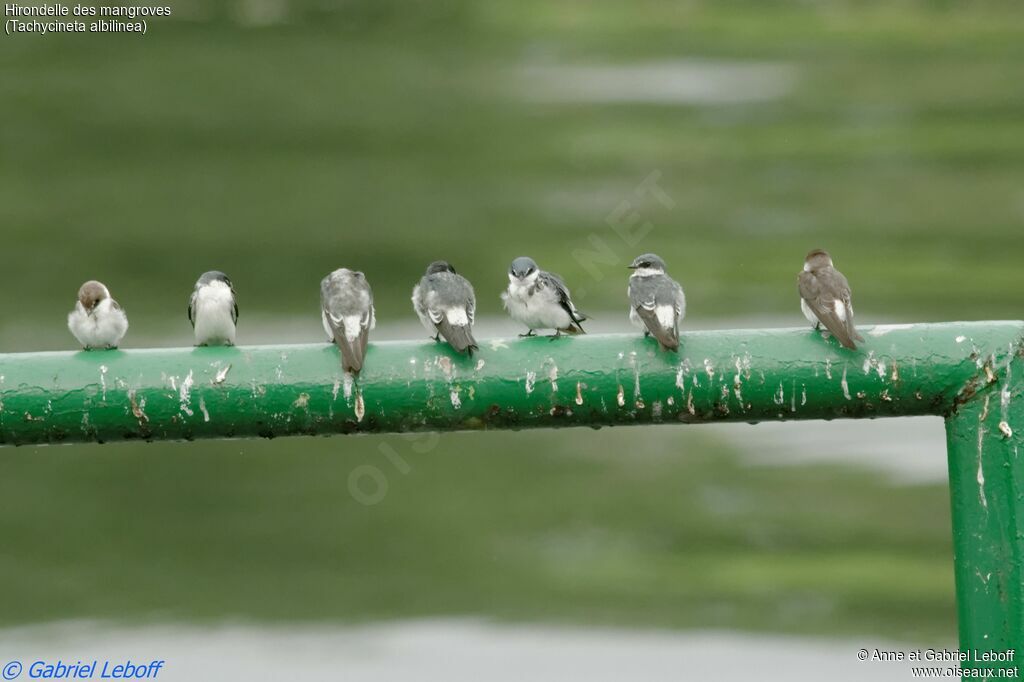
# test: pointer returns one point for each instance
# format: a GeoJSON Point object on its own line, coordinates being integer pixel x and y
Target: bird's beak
{"type": "Point", "coordinates": [632, 267]}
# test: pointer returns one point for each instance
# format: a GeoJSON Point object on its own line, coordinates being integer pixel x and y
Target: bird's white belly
{"type": "Point", "coordinates": [103, 329]}
{"type": "Point", "coordinates": [421, 312]}
{"type": "Point", "coordinates": [214, 327]}
{"type": "Point", "coordinates": [808, 313]}
{"type": "Point", "coordinates": [536, 313]}
{"type": "Point", "coordinates": [636, 320]}
{"type": "Point", "coordinates": [427, 323]}
{"type": "Point", "coordinates": [327, 326]}
{"type": "Point", "coordinates": [213, 317]}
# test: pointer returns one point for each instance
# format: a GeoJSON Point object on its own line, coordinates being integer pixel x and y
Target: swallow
{"type": "Point", "coordinates": [825, 298]}
{"type": "Point", "coordinates": [346, 303]}
{"type": "Point", "coordinates": [213, 310]}
{"type": "Point", "coordinates": [540, 300]}
{"type": "Point", "coordinates": [97, 321]}
{"type": "Point", "coordinates": [445, 303]}
{"type": "Point", "coordinates": [656, 301]}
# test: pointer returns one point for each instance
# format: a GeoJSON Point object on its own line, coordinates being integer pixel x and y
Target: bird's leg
{"type": "Point", "coordinates": [647, 334]}
{"type": "Point", "coordinates": [556, 335]}
{"type": "Point", "coordinates": [529, 333]}
{"type": "Point", "coordinates": [437, 337]}
{"type": "Point", "coordinates": [817, 326]}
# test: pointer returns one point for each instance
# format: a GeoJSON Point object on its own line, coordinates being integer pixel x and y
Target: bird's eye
{"type": "Point", "coordinates": [531, 271]}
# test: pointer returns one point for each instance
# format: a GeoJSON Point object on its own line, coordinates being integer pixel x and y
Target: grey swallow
{"type": "Point", "coordinates": [213, 310]}
{"type": "Point", "coordinates": [347, 310]}
{"type": "Point", "coordinates": [656, 301]}
{"type": "Point", "coordinates": [540, 300]}
{"type": "Point", "coordinates": [97, 321]}
{"type": "Point", "coordinates": [825, 298]}
{"type": "Point", "coordinates": [446, 305]}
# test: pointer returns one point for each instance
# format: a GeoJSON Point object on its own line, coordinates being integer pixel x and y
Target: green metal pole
{"type": "Point", "coordinates": [186, 393]}
{"type": "Point", "coordinates": [970, 373]}
{"type": "Point", "coordinates": [986, 476]}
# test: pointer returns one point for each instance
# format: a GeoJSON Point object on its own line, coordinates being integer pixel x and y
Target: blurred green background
{"type": "Point", "coordinates": [280, 139]}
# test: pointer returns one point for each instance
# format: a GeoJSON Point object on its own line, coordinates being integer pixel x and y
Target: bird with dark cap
{"type": "Point", "coordinates": [540, 300]}
{"type": "Point", "coordinates": [213, 311]}
{"type": "Point", "coordinates": [445, 303]}
{"type": "Point", "coordinates": [656, 301]}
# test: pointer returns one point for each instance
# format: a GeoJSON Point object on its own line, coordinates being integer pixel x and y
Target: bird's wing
{"type": "Point", "coordinates": [234, 306]}
{"type": "Point", "coordinates": [471, 303]}
{"type": "Point", "coordinates": [192, 308]}
{"type": "Point", "coordinates": [821, 299]}
{"type": "Point", "coordinates": [555, 283]}
{"type": "Point", "coordinates": [649, 300]}
{"type": "Point", "coordinates": [847, 296]}
{"type": "Point", "coordinates": [365, 324]}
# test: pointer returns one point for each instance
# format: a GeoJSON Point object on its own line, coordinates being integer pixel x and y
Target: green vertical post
{"type": "Point", "coordinates": [986, 476]}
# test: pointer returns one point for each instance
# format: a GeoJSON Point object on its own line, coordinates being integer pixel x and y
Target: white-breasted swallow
{"type": "Point", "coordinates": [656, 301]}
{"type": "Point", "coordinates": [97, 321]}
{"type": "Point", "coordinates": [825, 298]}
{"type": "Point", "coordinates": [213, 310]}
{"type": "Point", "coordinates": [445, 303]}
{"type": "Point", "coordinates": [540, 300]}
{"type": "Point", "coordinates": [346, 303]}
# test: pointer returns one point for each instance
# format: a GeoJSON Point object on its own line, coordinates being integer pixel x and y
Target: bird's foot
{"type": "Point", "coordinates": [529, 333]}
{"type": "Point", "coordinates": [556, 335]}
{"type": "Point", "coordinates": [437, 337]}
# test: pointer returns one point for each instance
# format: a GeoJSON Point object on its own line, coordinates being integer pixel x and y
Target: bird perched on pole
{"type": "Point", "coordinates": [825, 298]}
{"type": "Point", "coordinates": [656, 301]}
{"type": "Point", "coordinates": [540, 300]}
{"type": "Point", "coordinates": [445, 303]}
{"type": "Point", "coordinates": [346, 303]}
{"type": "Point", "coordinates": [97, 321]}
{"type": "Point", "coordinates": [213, 310]}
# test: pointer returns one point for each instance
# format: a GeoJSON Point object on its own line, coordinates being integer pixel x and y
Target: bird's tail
{"type": "Point", "coordinates": [576, 318]}
{"type": "Point", "coordinates": [459, 336]}
{"type": "Point", "coordinates": [574, 327]}
{"type": "Point", "coordinates": [669, 342]}
{"type": "Point", "coordinates": [351, 355]}
{"type": "Point", "coordinates": [352, 352]}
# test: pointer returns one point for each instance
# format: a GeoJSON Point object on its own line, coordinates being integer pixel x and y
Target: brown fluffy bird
{"type": "Point", "coordinates": [825, 298]}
